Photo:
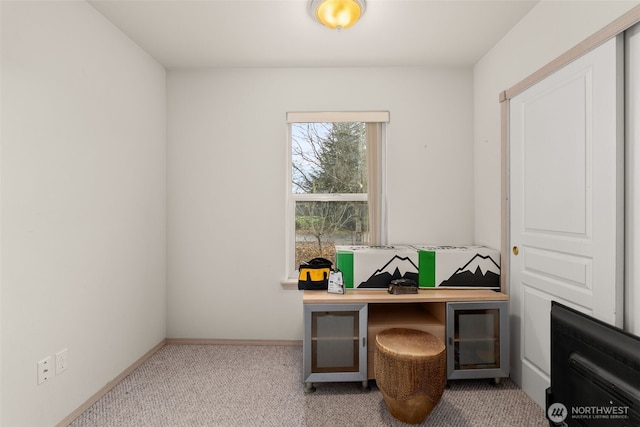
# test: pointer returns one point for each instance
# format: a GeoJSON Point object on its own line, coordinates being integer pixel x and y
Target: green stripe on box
{"type": "Point", "coordinates": [426, 269]}
{"type": "Point", "coordinates": [344, 263]}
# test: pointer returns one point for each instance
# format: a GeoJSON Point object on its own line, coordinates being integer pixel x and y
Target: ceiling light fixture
{"type": "Point", "coordinates": [337, 14]}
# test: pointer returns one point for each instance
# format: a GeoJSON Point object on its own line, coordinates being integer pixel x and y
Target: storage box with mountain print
{"type": "Point", "coordinates": [458, 267]}
{"type": "Point", "coordinates": [374, 267]}
{"type": "Point", "coordinates": [461, 267]}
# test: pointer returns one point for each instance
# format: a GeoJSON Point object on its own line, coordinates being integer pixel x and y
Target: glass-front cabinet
{"type": "Point", "coordinates": [335, 343]}
{"type": "Point", "coordinates": [477, 340]}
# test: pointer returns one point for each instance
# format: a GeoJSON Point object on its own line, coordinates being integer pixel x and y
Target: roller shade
{"type": "Point", "coordinates": [336, 117]}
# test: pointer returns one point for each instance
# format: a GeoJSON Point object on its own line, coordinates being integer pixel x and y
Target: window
{"type": "Point", "coordinates": [335, 183]}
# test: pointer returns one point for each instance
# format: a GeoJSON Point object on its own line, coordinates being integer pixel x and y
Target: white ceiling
{"type": "Point", "coordinates": [281, 33]}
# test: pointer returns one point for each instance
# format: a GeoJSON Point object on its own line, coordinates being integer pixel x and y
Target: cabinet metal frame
{"type": "Point", "coordinates": [500, 372]}
{"type": "Point", "coordinates": [361, 374]}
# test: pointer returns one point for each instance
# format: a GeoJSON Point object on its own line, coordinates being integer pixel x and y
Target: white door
{"type": "Point", "coordinates": [566, 204]}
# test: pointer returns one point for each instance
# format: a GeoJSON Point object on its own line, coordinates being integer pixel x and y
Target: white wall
{"type": "Point", "coordinates": [550, 29]}
{"type": "Point", "coordinates": [227, 168]}
{"type": "Point", "coordinates": [82, 208]}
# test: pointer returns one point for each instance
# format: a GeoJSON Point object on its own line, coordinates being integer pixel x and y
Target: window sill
{"type": "Point", "coordinates": [290, 284]}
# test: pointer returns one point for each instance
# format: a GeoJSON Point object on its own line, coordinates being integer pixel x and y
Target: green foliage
{"type": "Point", "coordinates": [329, 158]}
{"type": "Point", "coordinates": [343, 161]}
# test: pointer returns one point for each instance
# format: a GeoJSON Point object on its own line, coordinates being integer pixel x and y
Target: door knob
{"type": "Point", "coordinates": [515, 250]}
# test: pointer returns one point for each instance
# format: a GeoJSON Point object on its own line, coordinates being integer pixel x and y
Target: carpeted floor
{"type": "Point", "coordinates": [232, 385]}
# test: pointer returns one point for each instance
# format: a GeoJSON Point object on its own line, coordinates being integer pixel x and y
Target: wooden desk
{"type": "Point", "coordinates": [425, 311]}
{"type": "Point", "coordinates": [382, 296]}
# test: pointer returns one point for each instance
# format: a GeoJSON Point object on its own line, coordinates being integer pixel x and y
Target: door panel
{"type": "Point", "coordinates": [566, 204]}
{"type": "Point", "coordinates": [563, 152]}
{"type": "Point", "coordinates": [536, 327]}
{"type": "Point", "coordinates": [571, 269]}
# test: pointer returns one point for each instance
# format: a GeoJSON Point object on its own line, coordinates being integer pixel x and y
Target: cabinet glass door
{"type": "Point", "coordinates": [477, 339]}
{"type": "Point", "coordinates": [335, 342]}
{"type": "Point", "coordinates": [335, 336]}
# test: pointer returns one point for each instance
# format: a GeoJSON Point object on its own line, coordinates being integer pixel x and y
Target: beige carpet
{"type": "Point", "coordinates": [231, 385]}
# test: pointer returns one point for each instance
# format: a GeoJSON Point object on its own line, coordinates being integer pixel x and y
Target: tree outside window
{"type": "Point", "coordinates": [329, 187]}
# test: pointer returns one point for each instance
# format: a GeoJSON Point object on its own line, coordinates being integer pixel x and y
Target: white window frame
{"type": "Point", "coordinates": [378, 174]}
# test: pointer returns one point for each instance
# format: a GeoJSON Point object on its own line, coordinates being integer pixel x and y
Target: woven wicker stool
{"type": "Point", "coordinates": [410, 371]}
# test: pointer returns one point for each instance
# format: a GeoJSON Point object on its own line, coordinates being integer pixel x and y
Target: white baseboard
{"type": "Point", "coordinates": [207, 341]}
{"type": "Point", "coordinates": [104, 390]}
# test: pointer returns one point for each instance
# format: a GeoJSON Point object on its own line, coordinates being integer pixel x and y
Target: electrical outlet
{"type": "Point", "coordinates": [44, 370]}
{"type": "Point", "coordinates": [61, 361]}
